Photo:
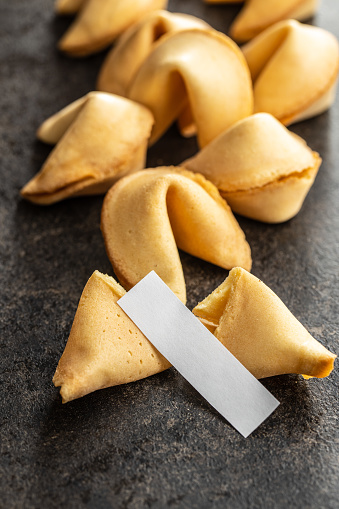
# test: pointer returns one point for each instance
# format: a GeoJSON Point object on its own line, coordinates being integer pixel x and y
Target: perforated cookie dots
{"type": "Point", "coordinates": [104, 348]}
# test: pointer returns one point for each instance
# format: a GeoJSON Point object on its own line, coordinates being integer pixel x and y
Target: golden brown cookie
{"type": "Point", "coordinates": [100, 138]}
{"type": "Point", "coordinates": [257, 15]}
{"type": "Point", "coordinates": [100, 22]}
{"type": "Point", "coordinates": [132, 48]}
{"type": "Point", "coordinates": [104, 348]}
{"type": "Point", "coordinates": [262, 170]}
{"type": "Point", "coordinates": [145, 217]}
{"type": "Point", "coordinates": [294, 69]}
{"type": "Point", "coordinates": [180, 73]}
{"type": "Point", "coordinates": [258, 329]}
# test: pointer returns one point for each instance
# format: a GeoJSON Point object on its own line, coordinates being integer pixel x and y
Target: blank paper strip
{"type": "Point", "coordinates": [200, 358]}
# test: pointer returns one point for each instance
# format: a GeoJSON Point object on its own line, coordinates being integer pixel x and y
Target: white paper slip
{"type": "Point", "coordinates": [200, 358]}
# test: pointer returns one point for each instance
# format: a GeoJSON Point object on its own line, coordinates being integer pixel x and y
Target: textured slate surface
{"type": "Point", "coordinates": [154, 443]}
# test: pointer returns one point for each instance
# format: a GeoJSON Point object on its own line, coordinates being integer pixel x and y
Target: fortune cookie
{"type": "Point", "coordinates": [99, 22]}
{"type": "Point", "coordinates": [145, 217]}
{"type": "Point", "coordinates": [262, 170]}
{"type": "Point", "coordinates": [257, 15]}
{"type": "Point", "coordinates": [294, 69]}
{"type": "Point", "coordinates": [132, 48]}
{"type": "Point", "coordinates": [124, 60]}
{"type": "Point", "coordinates": [100, 138]}
{"type": "Point", "coordinates": [180, 75]}
{"type": "Point", "coordinates": [258, 329]}
{"type": "Point", "coordinates": [104, 348]}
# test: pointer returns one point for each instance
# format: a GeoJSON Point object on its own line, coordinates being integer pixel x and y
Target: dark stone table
{"type": "Point", "coordinates": [155, 443]}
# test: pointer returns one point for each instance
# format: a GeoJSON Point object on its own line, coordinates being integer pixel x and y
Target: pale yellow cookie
{"type": "Point", "coordinates": [104, 348]}
{"type": "Point", "coordinates": [294, 69]}
{"type": "Point", "coordinates": [145, 217]}
{"type": "Point", "coordinates": [100, 22]}
{"type": "Point", "coordinates": [132, 48]}
{"type": "Point", "coordinates": [258, 329]}
{"type": "Point", "coordinates": [100, 138]}
{"type": "Point", "coordinates": [202, 70]}
{"type": "Point", "coordinates": [262, 170]}
{"type": "Point", "coordinates": [257, 15]}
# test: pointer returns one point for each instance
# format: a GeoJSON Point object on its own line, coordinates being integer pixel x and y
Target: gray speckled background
{"type": "Point", "coordinates": [155, 443]}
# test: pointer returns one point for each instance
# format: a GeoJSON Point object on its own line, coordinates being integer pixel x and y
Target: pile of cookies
{"type": "Point", "coordinates": [167, 68]}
